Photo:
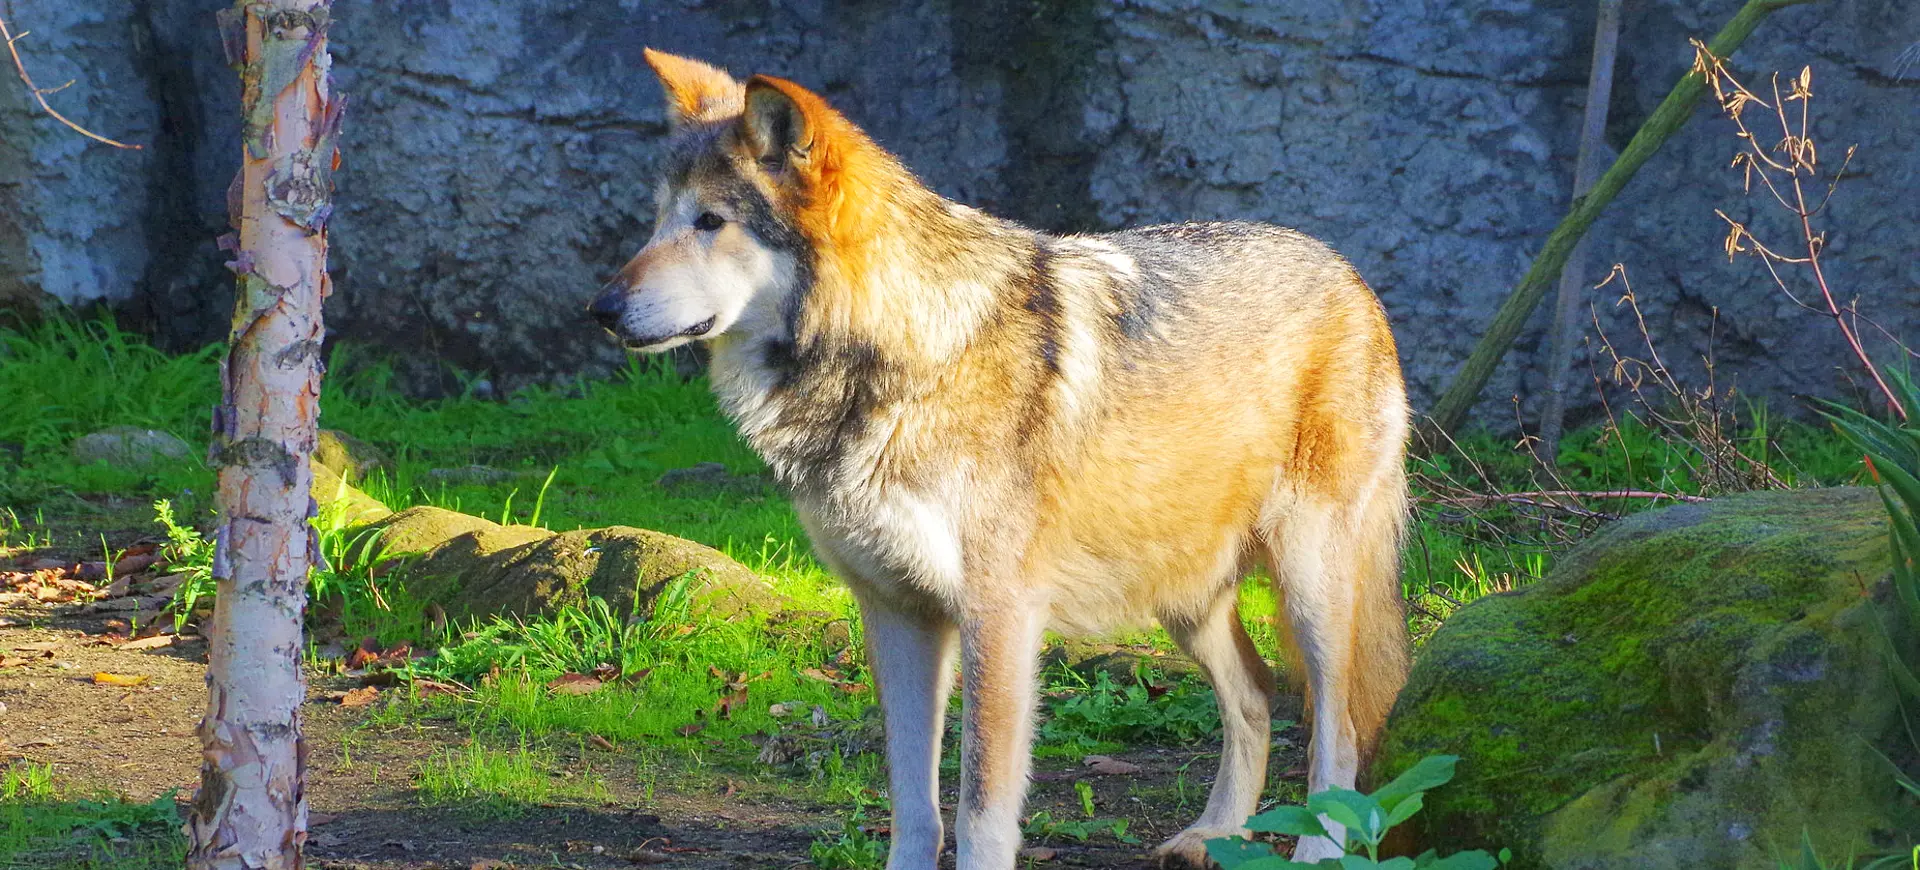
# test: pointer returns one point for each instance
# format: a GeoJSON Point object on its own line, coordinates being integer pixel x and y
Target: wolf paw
{"type": "Point", "coordinates": [1188, 849]}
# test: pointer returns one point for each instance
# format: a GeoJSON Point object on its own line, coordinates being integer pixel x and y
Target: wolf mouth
{"type": "Point", "coordinates": [698, 330]}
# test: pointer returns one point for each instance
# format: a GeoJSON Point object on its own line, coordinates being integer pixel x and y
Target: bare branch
{"type": "Point", "coordinates": [40, 94]}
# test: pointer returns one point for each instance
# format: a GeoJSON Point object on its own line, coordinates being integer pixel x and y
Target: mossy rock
{"type": "Point", "coordinates": [347, 456]}
{"type": "Point", "coordinates": [1695, 687]}
{"type": "Point", "coordinates": [473, 568]}
{"type": "Point", "coordinates": [340, 501]}
{"type": "Point", "coordinates": [417, 530]}
{"type": "Point", "coordinates": [133, 447]}
{"type": "Point", "coordinates": [1121, 664]}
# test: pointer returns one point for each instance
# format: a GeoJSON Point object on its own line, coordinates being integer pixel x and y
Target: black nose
{"type": "Point", "coordinates": [607, 307]}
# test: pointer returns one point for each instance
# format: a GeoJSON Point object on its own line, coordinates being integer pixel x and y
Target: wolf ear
{"type": "Point", "coordinates": [783, 120]}
{"type": "Point", "coordinates": [695, 91]}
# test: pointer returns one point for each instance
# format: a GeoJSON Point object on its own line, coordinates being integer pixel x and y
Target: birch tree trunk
{"type": "Point", "coordinates": [250, 811]}
{"type": "Point", "coordinates": [1574, 277]}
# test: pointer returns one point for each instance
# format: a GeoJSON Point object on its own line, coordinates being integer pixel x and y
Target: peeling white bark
{"type": "Point", "coordinates": [250, 812]}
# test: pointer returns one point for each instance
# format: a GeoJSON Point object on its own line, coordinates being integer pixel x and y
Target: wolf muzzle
{"type": "Point", "coordinates": [608, 307]}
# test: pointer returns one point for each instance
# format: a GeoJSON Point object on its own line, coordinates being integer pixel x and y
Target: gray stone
{"type": "Point", "coordinates": [480, 475]}
{"type": "Point", "coordinates": [498, 158]}
{"type": "Point", "coordinates": [708, 478]}
{"type": "Point", "coordinates": [132, 446]}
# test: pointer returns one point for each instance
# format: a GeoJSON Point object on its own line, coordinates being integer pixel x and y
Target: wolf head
{"type": "Point", "coordinates": [752, 186]}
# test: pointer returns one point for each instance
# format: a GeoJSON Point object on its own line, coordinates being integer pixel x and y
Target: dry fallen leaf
{"type": "Point", "coordinates": [45, 647]}
{"type": "Point", "coordinates": [489, 864]}
{"type": "Point", "coordinates": [155, 642]}
{"type": "Point", "coordinates": [134, 564]}
{"type": "Point", "coordinates": [435, 687]}
{"type": "Point", "coordinates": [126, 680]}
{"type": "Point", "coordinates": [574, 684]}
{"type": "Point", "coordinates": [727, 703]}
{"type": "Point", "coordinates": [1038, 853]}
{"type": "Point", "coordinates": [598, 742]}
{"type": "Point", "coordinates": [1106, 766]}
{"type": "Point", "coordinates": [690, 729]}
{"type": "Point", "coordinates": [360, 697]}
{"type": "Point", "coordinates": [367, 653]}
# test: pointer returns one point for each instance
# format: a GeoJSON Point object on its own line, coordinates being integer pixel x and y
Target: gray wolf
{"type": "Point", "coordinates": [989, 431]}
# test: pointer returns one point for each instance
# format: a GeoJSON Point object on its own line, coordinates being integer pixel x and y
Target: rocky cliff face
{"type": "Point", "coordinates": [498, 155]}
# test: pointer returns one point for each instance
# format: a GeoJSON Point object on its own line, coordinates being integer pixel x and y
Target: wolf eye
{"type": "Point", "coordinates": [708, 222]}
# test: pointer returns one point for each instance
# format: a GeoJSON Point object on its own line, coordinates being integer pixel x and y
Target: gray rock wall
{"type": "Point", "coordinates": [498, 156]}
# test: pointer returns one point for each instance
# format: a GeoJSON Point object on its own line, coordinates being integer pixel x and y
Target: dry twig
{"type": "Point", "coordinates": [1783, 168]}
{"type": "Point", "coordinates": [1699, 420]}
{"type": "Point", "coordinates": [40, 93]}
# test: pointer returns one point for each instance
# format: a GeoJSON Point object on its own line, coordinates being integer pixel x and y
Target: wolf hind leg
{"type": "Point", "coordinates": [1336, 570]}
{"type": "Point", "coordinates": [1243, 683]}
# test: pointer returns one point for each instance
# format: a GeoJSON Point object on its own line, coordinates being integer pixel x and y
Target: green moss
{"type": "Point", "coordinates": [341, 502]}
{"type": "Point", "coordinates": [348, 456]}
{"type": "Point", "coordinates": [1687, 688]}
{"type": "Point", "coordinates": [488, 569]}
{"type": "Point", "coordinates": [419, 529]}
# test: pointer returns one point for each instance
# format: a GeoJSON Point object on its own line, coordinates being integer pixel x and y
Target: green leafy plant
{"type": "Point", "coordinates": [1892, 451]}
{"type": "Point", "coordinates": [851, 847]}
{"type": "Point", "coordinates": [1106, 712]}
{"type": "Point", "coordinates": [187, 553]}
{"type": "Point", "coordinates": [1364, 819]}
{"type": "Point", "coordinates": [1044, 826]}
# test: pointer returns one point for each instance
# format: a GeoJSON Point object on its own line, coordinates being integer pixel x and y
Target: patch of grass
{"type": "Point", "coordinates": [499, 783]}
{"type": "Point", "coordinates": [667, 675]}
{"type": "Point", "coordinates": [44, 827]}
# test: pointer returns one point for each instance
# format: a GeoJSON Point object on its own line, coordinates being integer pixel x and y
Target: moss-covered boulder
{"type": "Point", "coordinates": [341, 502]}
{"type": "Point", "coordinates": [419, 529]}
{"type": "Point", "coordinates": [347, 456]}
{"type": "Point", "coordinates": [1122, 664]}
{"type": "Point", "coordinates": [472, 567]}
{"type": "Point", "coordinates": [1695, 687]}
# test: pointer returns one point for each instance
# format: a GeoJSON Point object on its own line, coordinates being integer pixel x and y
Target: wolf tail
{"type": "Point", "coordinates": [1380, 657]}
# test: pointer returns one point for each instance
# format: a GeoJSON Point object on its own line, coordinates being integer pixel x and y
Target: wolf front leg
{"type": "Point", "coordinates": [1000, 650]}
{"type": "Point", "coordinates": [911, 654]}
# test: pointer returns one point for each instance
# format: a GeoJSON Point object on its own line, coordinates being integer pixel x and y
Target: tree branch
{"type": "Point", "coordinates": [40, 94]}
{"type": "Point", "coordinates": [1452, 407]}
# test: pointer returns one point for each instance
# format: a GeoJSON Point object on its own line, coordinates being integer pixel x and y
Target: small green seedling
{"type": "Point", "coordinates": [1365, 820]}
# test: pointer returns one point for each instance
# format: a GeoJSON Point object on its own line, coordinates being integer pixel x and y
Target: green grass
{"type": "Point", "coordinates": [500, 783]}
{"type": "Point", "coordinates": [588, 453]}
{"type": "Point", "coordinates": [44, 826]}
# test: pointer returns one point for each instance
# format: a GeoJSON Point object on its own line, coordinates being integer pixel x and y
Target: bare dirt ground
{"type": "Point", "coordinates": [138, 741]}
